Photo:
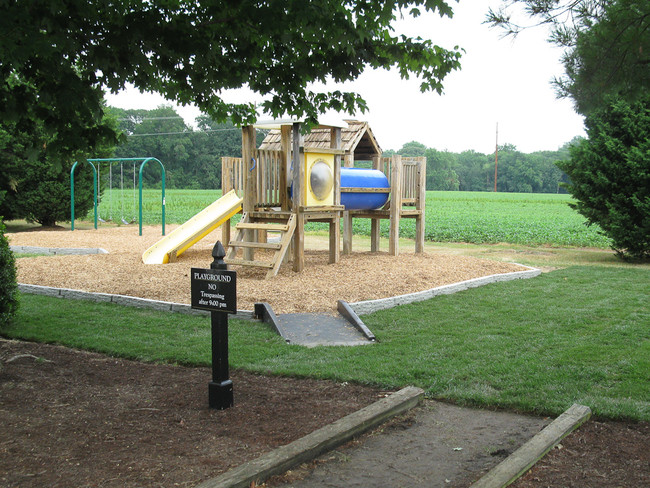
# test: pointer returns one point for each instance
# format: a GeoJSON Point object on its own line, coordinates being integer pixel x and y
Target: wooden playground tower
{"type": "Point", "coordinates": [294, 179]}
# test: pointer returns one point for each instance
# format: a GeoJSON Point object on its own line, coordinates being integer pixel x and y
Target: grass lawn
{"type": "Point", "coordinates": [580, 334]}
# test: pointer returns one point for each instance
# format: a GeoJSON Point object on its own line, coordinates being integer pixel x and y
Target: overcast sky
{"type": "Point", "coordinates": [502, 81]}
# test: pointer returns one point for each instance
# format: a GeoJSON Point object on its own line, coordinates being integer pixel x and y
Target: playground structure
{"type": "Point", "coordinates": [291, 180]}
{"type": "Point", "coordinates": [96, 164]}
{"type": "Point", "coordinates": [294, 179]}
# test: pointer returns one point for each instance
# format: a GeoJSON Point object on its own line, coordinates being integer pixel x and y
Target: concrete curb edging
{"type": "Point", "coordinates": [369, 306]}
{"type": "Point", "coordinates": [57, 250]}
{"type": "Point", "coordinates": [308, 447]}
{"type": "Point", "coordinates": [121, 300]}
{"type": "Point", "coordinates": [532, 451]}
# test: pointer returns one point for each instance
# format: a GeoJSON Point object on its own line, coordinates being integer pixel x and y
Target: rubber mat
{"type": "Point", "coordinates": [308, 329]}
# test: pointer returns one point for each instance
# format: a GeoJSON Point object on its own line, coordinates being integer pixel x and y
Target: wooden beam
{"type": "Point", "coordinates": [352, 189]}
{"type": "Point", "coordinates": [420, 204]}
{"type": "Point", "coordinates": [335, 224]}
{"type": "Point", "coordinates": [299, 243]}
{"type": "Point", "coordinates": [250, 181]}
{"type": "Point", "coordinates": [347, 233]}
{"type": "Point", "coordinates": [395, 204]}
{"type": "Point", "coordinates": [349, 161]}
{"type": "Point", "coordinates": [262, 226]}
{"type": "Point", "coordinates": [324, 150]}
{"type": "Point", "coordinates": [225, 231]}
{"type": "Point", "coordinates": [285, 177]}
{"type": "Point", "coordinates": [298, 179]}
{"type": "Point", "coordinates": [375, 233]}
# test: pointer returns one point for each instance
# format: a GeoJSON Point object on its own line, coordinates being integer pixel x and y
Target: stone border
{"type": "Point", "coordinates": [121, 300]}
{"type": "Point", "coordinates": [322, 440]}
{"type": "Point", "coordinates": [57, 250]}
{"type": "Point", "coordinates": [369, 306]}
{"type": "Point", "coordinates": [532, 451]}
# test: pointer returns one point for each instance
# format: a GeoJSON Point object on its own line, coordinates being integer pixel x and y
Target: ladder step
{"type": "Point", "coordinates": [258, 226]}
{"type": "Point", "coordinates": [243, 262]}
{"type": "Point", "coordinates": [256, 245]}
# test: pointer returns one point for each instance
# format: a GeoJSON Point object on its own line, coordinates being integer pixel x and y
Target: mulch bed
{"type": "Point", "coordinates": [75, 418]}
{"type": "Point", "coordinates": [597, 455]}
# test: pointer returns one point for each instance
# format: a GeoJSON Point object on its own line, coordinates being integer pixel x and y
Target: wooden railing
{"type": "Point", "coordinates": [271, 184]}
{"type": "Point", "coordinates": [232, 175]}
{"type": "Point", "coordinates": [268, 168]}
{"type": "Point", "coordinates": [412, 177]}
{"type": "Point", "coordinates": [269, 178]}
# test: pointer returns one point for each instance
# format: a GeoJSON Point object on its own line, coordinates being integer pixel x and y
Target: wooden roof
{"type": "Point", "coordinates": [356, 139]}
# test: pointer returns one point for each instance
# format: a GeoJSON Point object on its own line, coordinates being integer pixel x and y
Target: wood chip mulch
{"type": "Point", "coordinates": [360, 276]}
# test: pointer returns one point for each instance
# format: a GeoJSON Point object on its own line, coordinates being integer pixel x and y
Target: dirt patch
{"type": "Point", "coordinates": [74, 418]}
{"type": "Point", "coordinates": [433, 445]}
{"type": "Point", "coordinates": [598, 455]}
{"type": "Point", "coordinates": [360, 276]}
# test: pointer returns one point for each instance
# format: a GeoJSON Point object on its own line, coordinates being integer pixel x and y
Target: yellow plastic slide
{"type": "Point", "coordinates": [193, 230]}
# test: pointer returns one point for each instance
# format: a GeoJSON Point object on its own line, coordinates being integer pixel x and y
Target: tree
{"type": "Point", "coordinates": [413, 149]}
{"type": "Point", "coordinates": [57, 57]}
{"type": "Point", "coordinates": [440, 171]}
{"type": "Point", "coordinates": [607, 68]}
{"type": "Point", "coordinates": [607, 46]}
{"type": "Point", "coordinates": [8, 286]}
{"type": "Point", "coordinates": [159, 133]}
{"type": "Point", "coordinates": [610, 174]}
{"type": "Point", "coordinates": [37, 182]}
{"type": "Point", "coordinates": [473, 170]}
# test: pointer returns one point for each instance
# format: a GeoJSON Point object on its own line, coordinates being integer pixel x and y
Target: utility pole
{"type": "Point", "coordinates": [496, 158]}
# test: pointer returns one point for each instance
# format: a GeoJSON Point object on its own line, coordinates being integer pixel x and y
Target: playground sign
{"type": "Point", "coordinates": [214, 290]}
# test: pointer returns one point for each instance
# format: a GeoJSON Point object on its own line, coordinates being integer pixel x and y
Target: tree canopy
{"type": "Point", "coordinates": [607, 46]}
{"type": "Point", "coordinates": [57, 57]}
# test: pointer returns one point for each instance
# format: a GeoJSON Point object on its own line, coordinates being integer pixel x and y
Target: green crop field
{"type": "Point", "coordinates": [519, 218]}
{"type": "Point", "coordinates": [474, 217]}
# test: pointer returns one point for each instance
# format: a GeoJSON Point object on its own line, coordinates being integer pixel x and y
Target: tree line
{"type": "Point", "coordinates": [517, 172]}
{"type": "Point", "coordinates": [192, 157]}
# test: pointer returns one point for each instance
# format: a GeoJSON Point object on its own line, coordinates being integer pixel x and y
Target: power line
{"type": "Point", "coordinates": [151, 118]}
{"type": "Point", "coordinates": [182, 132]}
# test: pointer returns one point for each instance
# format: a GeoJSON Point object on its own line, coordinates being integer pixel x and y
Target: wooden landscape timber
{"type": "Point", "coordinates": [277, 187]}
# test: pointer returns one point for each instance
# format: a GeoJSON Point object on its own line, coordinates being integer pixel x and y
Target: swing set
{"type": "Point", "coordinates": [96, 165]}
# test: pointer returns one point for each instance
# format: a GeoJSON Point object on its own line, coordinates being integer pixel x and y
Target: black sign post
{"type": "Point", "coordinates": [215, 289]}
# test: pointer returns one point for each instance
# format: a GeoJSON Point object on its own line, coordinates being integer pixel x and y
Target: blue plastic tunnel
{"type": "Point", "coordinates": [363, 178]}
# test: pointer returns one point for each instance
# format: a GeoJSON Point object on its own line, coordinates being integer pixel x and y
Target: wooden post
{"type": "Point", "coordinates": [420, 205]}
{"type": "Point", "coordinates": [349, 160]}
{"type": "Point", "coordinates": [375, 230]}
{"type": "Point", "coordinates": [395, 205]}
{"type": "Point", "coordinates": [226, 186]}
{"type": "Point", "coordinates": [347, 233]}
{"type": "Point", "coordinates": [335, 224]}
{"type": "Point", "coordinates": [285, 176]}
{"type": "Point", "coordinates": [250, 182]}
{"type": "Point", "coordinates": [298, 177]}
